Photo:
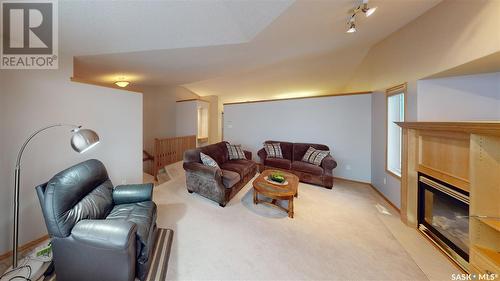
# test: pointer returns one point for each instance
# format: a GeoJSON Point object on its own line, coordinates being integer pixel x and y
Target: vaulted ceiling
{"type": "Point", "coordinates": [238, 50]}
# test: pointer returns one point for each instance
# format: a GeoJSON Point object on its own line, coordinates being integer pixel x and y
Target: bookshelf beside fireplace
{"type": "Point", "coordinates": [463, 157]}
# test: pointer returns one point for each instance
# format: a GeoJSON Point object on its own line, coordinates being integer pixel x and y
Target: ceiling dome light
{"type": "Point", "coordinates": [122, 84]}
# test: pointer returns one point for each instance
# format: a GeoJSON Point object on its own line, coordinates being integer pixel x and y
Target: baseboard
{"type": "Point", "coordinates": [355, 181]}
{"type": "Point", "coordinates": [28, 246]}
{"type": "Point", "coordinates": [385, 199]}
{"type": "Point", "coordinates": [375, 189]}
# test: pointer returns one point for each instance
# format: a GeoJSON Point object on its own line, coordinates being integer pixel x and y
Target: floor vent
{"type": "Point", "coordinates": [383, 210]}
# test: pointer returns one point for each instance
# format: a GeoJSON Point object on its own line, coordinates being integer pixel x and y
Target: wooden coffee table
{"type": "Point", "coordinates": [276, 191]}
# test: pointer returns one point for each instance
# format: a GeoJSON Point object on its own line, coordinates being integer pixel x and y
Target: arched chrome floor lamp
{"type": "Point", "coordinates": [81, 141]}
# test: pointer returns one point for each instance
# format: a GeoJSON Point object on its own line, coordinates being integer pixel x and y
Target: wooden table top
{"type": "Point", "coordinates": [276, 191]}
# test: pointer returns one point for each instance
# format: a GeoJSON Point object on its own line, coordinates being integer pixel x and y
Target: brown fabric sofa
{"type": "Point", "coordinates": [291, 162]}
{"type": "Point", "coordinates": [219, 185]}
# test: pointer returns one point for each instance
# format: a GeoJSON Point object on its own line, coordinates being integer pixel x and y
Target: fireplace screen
{"type": "Point", "coordinates": [444, 215]}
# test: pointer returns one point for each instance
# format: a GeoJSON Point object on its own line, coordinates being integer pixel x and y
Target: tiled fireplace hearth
{"type": "Point", "coordinates": [450, 189]}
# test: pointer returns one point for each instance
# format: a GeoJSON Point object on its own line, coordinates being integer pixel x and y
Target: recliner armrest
{"type": "Point", "coordinates": [328, 163]}
{"type": "Point", "coordinates": [204, 170]}
{"type": "Point", "coordinates": [132, 193]}
{"type": "Point", "coordinates": [109, 234]}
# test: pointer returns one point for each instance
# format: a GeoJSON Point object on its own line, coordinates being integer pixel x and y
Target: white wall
{"type": "Point", "coordinates": [343, 123]}
{"type": "Point", "coordinates": [33, 99]}
{"type": "Point", "coordinates": [471, 97]}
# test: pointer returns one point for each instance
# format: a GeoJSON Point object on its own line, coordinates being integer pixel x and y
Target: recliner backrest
{"type": "Point", "coordinates": [83, 191]}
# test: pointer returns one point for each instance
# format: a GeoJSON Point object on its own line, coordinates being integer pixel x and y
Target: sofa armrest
{"type": "Point", "coordinates": [328, 163]}
{"type": "Point", "coordinates": [248, 154]}
{"type": "Point", "coordinates": [108, 234]}
{"type": "Point", "coordinates": [262, 155]}
{"type": "Point", "coordinates": [132, 193]}
{"type": "Point", "coordinates": [204, 170]}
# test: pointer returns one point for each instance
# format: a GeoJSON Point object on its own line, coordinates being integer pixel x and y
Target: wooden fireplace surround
{"type": "Point", "coordinates": [465, 155]}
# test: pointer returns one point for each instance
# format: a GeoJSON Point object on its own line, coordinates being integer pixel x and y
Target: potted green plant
{"type": "Point", "coordinates": [277, 177]}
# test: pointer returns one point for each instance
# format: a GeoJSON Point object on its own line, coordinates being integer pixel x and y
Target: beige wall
{"type": "Point", "coordinates": [159, 112]}
{"type": "Point", "coordinates": [215, 122]}
{"type": "Point", "coordinates": [452, 33]}
{"type": "Point", "coordinates": [159, 115]}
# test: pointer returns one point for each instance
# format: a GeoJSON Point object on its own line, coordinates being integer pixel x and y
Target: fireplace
{"type": "Point", "coordinates": [443, 216]}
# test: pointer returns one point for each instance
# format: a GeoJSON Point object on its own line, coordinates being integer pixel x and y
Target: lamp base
{"type": "Point", "coordinates": [28, 269]}
{"type": "Point", "coordinates": [32, 267]}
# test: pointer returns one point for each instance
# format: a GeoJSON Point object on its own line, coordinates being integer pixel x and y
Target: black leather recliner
{"type": "Point", "coordinates": [98, 232]}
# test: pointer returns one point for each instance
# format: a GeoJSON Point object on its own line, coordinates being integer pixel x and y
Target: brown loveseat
{"type": "Point", "coordinates": [291, 162]}
{"type": "Point", "coordinates": [219, 185]}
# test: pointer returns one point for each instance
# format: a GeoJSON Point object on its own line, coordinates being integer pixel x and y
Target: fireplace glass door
{"type": "Point", "coordinates": [444, 212]}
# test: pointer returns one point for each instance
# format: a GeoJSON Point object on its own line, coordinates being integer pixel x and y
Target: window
{"type": "Point", "coordinates": [395, 113]}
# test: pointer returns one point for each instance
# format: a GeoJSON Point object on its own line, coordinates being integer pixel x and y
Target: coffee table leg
{"type": "Point", "coordinates": [255, 201]}
{"type": "Point", "coordinates": [290, 208]}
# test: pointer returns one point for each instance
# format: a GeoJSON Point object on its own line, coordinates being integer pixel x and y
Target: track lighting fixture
{"type": "Point", "coordinates": [351, 26]}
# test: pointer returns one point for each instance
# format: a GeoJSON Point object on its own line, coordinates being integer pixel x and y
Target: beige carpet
{"type": "Point", "coordinates": [336, 234]}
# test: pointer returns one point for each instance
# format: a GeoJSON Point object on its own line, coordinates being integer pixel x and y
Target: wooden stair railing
{"type": "Point", "coordinates": [147, 156]}
{"type": "Point", "coordinates": [171, 150]}
{"type": "Point", "coordinates": [148, 162]}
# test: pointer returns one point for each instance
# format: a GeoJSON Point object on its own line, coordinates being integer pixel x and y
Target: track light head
{"type": "Point", "coordinates": [368, 11]}
{"type": "Point", "coordinates": [352, 28]}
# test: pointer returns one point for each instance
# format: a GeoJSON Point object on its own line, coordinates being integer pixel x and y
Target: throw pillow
{"type": "Point", "coordinates": [273, 150]}
{"type": "Point", "coordinates": [208, 161]}
{"type": "Point", "coordinates": [315, 156]}
{"type": "Point", "coordinates": [235, 152]}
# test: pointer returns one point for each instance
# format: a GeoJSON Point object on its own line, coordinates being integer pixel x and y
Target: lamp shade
{"type": "Point", "coordinates": [83, 140]}
{"type": "Point", "coordinates": [370, 11]}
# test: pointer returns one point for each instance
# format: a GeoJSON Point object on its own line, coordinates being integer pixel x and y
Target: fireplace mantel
{"type": "Point", "coordinates": [465, 155]}
{"type": "Point", "coordinates": [472, 127]}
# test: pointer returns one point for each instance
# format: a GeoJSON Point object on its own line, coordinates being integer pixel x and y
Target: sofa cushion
{"type": "Point", "coordinates": [307, 168]}
{"type": "Point", "coordinates": [242, 167]}
{"type": "Point", "coordinates": [230, 178]}
{"type": "Point", "coordinates": [143, 214]}
{"type": "Point", "coordinates": [315, 156]}
{"type": "Point", "coordinates": [278, 163]}
{"type": "Point", "coordinates": [215, 151]}
{"type": "Point", "coordinates": [299, 149]}
{"type": "Point", "coordinates": [273, 150]}
{"type": "Point", "coordinates": [235, 151]}
{"type": "Point", "coordinates": [208, 161]}
{"type": "Point", "coordinates": [286, 148]}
